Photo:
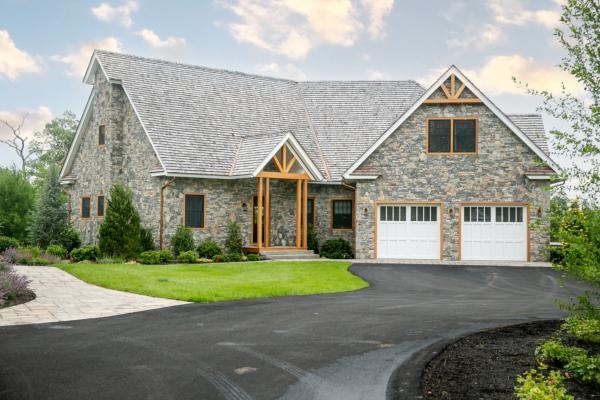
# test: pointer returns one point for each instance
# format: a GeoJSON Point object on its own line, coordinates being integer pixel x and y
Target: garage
{"type": "Point", "coordinates": [494, 232]}
{"type": "Point", "coordinates": [408, 231]}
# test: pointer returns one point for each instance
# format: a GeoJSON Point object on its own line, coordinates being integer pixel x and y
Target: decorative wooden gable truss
{"type": "Point", "coordinates": [452, 91]}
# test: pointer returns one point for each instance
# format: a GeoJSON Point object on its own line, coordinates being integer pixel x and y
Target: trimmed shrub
{"type": "Point", "coordinates": [336, 249]}
{"type": "Point", "coordinates": [218, 258]}
{"type": "Point", "coordinates": [120, 231]}
{"type": "Point", "coordinates": [149, 257]}
{"type": "Point", "coordinates": [7, 242]}
{"type": "Point", "coordinates": [208, 249]}
{"type": "Point", "coordinates": [253, 257]}
{"type": "Point", "coordinates": [71, 239]}
{"type": "Point", "coordinates": [187, 257]}
{"type": "Point", "coordinates": [233, 257]}
{"type": "Point", "coordinates": [57, 250]}
{"type": "Point", "coordinates": [89, 252]}
{"type": "Point", "coordinates": [234, 242]}
{"type": "Point", "coordinates": [183, 240]}
{"type": "Point", "coordinates": [146, 239]}
{"type": "Point", "coordinates": [166, 256]}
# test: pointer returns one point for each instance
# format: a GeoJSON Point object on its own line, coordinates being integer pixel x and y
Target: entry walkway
{"type": "Point", "coordinates": [62, 297]}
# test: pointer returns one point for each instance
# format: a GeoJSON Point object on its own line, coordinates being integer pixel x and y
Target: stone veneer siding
{"type": "Point", "coordinates": [494, 174]}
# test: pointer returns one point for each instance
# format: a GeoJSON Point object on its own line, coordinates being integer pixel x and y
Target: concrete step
{"type": "Point", "coordinates": [290, 255]}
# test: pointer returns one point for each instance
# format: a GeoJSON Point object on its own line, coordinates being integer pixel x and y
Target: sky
{"type": "Point", "coordinates": [45, 45]}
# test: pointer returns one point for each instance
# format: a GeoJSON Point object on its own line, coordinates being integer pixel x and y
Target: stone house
{"type": "Point", "coordinates": [399, 170]}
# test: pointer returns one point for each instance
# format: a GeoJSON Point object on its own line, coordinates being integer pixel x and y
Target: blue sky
{"type": "Point", "coordinates": [45, 45]}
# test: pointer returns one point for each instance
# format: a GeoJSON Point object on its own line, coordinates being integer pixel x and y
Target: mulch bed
{"type": "Point", "coordinates": [19, 300]}
{"type": "Point", "coordinates": [485, 365]}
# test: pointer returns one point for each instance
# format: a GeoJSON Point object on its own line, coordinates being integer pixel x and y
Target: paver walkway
{"type": "Point", "coordinates": [62, 297]}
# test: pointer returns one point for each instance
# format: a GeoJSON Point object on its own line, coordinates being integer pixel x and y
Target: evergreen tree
{"type": "Point", "coordinates": [50, 219]}
{"type": "Point", "coordinates": [120, 230]}
{"type": "Point", "coordinates": [17, 199]}
{"type": "Point", "coordinates": [234, 242]}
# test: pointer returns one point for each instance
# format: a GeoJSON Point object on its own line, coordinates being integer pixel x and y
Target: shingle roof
{"type": "Point", "coordinates": [205, 121]}
{"type": "Point", "coordinates": [533, 126]}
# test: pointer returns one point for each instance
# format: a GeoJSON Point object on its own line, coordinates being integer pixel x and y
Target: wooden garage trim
{"type": "Point", "coordinates": [493, 203]}
{"type": "Point", "coordinates": [415, 203]}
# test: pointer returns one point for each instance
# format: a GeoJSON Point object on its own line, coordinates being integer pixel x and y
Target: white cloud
{"type": "Point", "coordinates": [495, 76]}
{"type": "Point", "coordinates": [287, 71]}
{"type": "Point", "coordinates": [375, 75]}
{"type": "Point", "coordinates": [377, 10]}
{"type": "Point", "coordinates": [294, 27]}
{"type": "Point", "coordinates": [35, 121]}
{"type": "Point", "coordinates": [473, 36]}
{"type": "Point", "coordinates": [512, 12]}
{"type": "Point", "coordinates": [122, 13]}
{"type": "Point", "coordinates": [78, 61]}
{"type": "Point", "coordinates": [365, 57]}
{"type": "Point", "coordinates": [155, 41]}
{"type": "Point", "coordinates": [13, 61]}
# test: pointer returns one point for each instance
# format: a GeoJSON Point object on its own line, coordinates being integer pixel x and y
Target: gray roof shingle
{"type": "Point", "coordinates": [205, 121]}
{"type": "Point", "coordinates": [533, 126]}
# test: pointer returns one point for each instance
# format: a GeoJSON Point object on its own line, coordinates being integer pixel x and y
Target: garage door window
{"type": "Point", "coordinates": [392, 213]}
{"type": "Point", "coordinates": [423, 213]}
{"type": "Point", "coordinates": [478, 214]}
{"type": "Point", "coordinates": [509, 214]}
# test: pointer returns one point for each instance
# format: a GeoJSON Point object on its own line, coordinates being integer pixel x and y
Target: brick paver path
{"type": "Point", "coordinates": [62, 297]}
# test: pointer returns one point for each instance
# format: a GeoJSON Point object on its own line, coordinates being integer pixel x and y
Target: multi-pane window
{"type": "Point", "coordinates": [101, 135]}
{"type": "Point", "coordinates": [452, 135]}
{"type": "Point", "coordinates": [477, 214]}
{"type": "Point", "coordinates": [194, 210]}
{"type": "Point", "coordinates": [100, 206]}
{"type": "Point", "coordinates": [342, 214]}
{"type": "Point", "coordinates": [85, 207]}
{"type": "Point", "coordinates": [392, 213]}
{"type": "Point", "coordinates": [509, 214]}
{"type": "Point", "coordinates": [423, 213]}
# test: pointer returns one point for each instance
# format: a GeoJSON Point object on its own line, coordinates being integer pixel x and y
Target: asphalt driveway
{"type": "Point", "coordinates": [342, 346]}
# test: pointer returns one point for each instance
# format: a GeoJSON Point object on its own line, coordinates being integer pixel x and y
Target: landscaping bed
{"type": "Point", "coordinates": [485, 365]}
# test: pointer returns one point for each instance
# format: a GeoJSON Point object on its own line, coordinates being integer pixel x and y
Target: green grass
{"type": "Point", "coordinates": [220, 282]}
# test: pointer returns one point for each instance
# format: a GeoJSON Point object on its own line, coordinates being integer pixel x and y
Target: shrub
{"type": "Point", "coordinates": [149, 257]}
{"type": "Point", "coordinates": [17, 256]}
{"type": "Point", "coordinates": [57, 250]}
{"type": "Point", "coordinates": [312, 239]}
{"type": "Point", "coordinates": [573, 359]}
{"type": "Point", "coordinates": [89, 252]}
{"type": "Point", "coordinates": [534, 385]}
{"type": "Point", "coordinates": [166, 256]}
{"type": "Point", "coordinates": [183, 240]}
{"type": "Point", "coordinates": [71, 239]}
{"type": "Point", "coordinates": [7, 242]}
{"type": "Point", "coordinates": [12, 285]}
{"type": "Point", "coordinates": [253, 257]}
{"type": "Point", "coordinates": [234, 242]}
{"type": "Point", "coordinates": [336, 248]}
{"type": "Point", "coordinates": [188, 257]}
{"type": "Point", "coordinates": [208, 249]}
{"type": "Point", "coordinates": [586, 329]}
{"type": "Point", "coordinates": [218, 258]}
{"type": "Point", "coordinates": [146, 239]}
{"type": "Point", "coordinates": [120, 231]}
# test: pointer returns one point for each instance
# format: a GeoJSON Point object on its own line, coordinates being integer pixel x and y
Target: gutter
{"type": "Point", "coordinates": [162, 205]}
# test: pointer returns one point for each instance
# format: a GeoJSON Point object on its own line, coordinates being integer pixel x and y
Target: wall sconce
{"type": "Point", "coordinates": [539, 212]}
{"type": "Point", "coordinates": [244, 206]}
{"type": "Point", "coordinates": [451, 212]}
{"type": "Point", "coordinates": [365, 211]}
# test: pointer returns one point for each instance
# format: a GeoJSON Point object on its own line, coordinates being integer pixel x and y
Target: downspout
{"type": "Point", "coordinates": [162, 206]}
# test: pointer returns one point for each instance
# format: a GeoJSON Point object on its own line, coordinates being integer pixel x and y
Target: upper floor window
{"type": "Point", "coordinates": [452, 135]}
{"type": "Point", "coordinates": [341, 214]}
{"type": "Point", "coordinates": [85, 207]}
{"type": "Point", "coordinates": [101, 135]}
{"type": "Point", "coordinates": [194, 210]}
{"type": "Point", "coordinates": [100, 206]}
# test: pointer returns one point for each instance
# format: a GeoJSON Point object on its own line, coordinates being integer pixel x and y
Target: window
{"type": "Point", "coordinates": [310, 213]}
{"type": "Point", "coordinates": [101, 135]}
{"type": "Point", "coordinates": [509, 214]}
{"type": "Point", "coordinates": [452, 135]}
{"type": "Point", "coordinates": [194, 210]}
{"type": "Point", "coordinates": [100, 206]}
{"type": "Point", "coordinates": [423, 213]}
{"type": "Point", "coordinates": [85, 207]}
{"type": "Point", "coordinates": [392, 213]}
{"type": "Point", "coordinates": [342, 214]}
{"type": "Point", "coordinates": [478, 214]}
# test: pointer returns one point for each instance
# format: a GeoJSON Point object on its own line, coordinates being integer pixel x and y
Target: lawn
{"type": "Point", "coordinates": [220, 282]}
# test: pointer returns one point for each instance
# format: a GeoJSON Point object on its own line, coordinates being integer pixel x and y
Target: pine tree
{"type": "Point", "coordinates": [120, 230]}
{"type": "Point", "coordinates": [50, 219]}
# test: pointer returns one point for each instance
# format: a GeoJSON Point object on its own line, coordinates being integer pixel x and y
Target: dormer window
{"type": "Point", "coordinates": [452, 136]}
{"type": "Point", "coordinates": [101, 135]}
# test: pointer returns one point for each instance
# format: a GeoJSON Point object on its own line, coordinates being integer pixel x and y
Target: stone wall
{"type": "Point", "coordinates": [494, 174]}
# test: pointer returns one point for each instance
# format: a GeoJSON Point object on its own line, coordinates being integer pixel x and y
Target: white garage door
{"type": "Point", "coordinates": [494, 233]}
{"type": "Point", "coordinates": [408, 231]}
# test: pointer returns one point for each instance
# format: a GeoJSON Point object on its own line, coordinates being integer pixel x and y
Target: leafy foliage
{"type": "Point", "coordinates": [12, 284]}
{"type": "Point", "coordinates": [208, 249]}
{"type": "Point", "coordinates": [57, 250]}
{"type": "Point", "coordinates": [146, 239]}
{"type": "Point", "coordinates": [234, 242]}
{"type": "Point", "coordinates": [17, 198]}
{"type": "Point", "coordinates": [183, 240]}
{"type": "Point", "coordinates": [312, 239]}
{"type": "Point", "coordinates": [7, 242]}
{"type": "Point", "coordinates": [187, 257]}
{"type": "Point", "coordinates": [151, 257]}
{"type": "Point", "coordinates": [233, 257]}
{"type": "Point", "coordinates": [90, 253]}
{"type": "Point", "coordinates": [29, 256]}
{"type": "Point", "coordinates": [336, 249]}
{"type": "Point", "coordinates": [120, 231]}
{"type": "Point", "coordinates": [573, 359]}
{"type": "Point", "coordinates": [253, 257]}
{"type": "Point", "coordinates": [586, 329]}
{"type": "Point", "coordinates": [71, 239]}
{"type": "Point", "coordinates": [534, 385]}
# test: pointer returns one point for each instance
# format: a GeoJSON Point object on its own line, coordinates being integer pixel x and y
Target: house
{"type": "Point", "coordinates": [399, 170]}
